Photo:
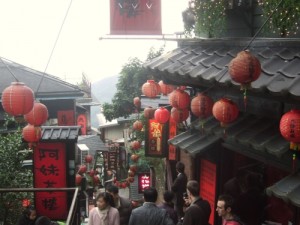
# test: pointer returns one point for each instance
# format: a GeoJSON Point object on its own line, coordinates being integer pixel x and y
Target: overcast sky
{"type": "Point", "coordinates": [29, 29]}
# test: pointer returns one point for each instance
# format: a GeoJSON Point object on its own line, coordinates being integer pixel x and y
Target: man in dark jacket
{"type": "Point", "coordinates": [179, 187]}
{"type": "Point", "coordinates": [149, 213]}
{"type": "Point", "coordinates": [199, 210]}
{"type": "Point", "coordinates": [168, 205]}
{"type": "Point", "coordinates": [122, 204]}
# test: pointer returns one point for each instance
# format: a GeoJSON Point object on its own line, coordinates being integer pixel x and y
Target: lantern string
{"type": "Point", "coordinates": [58, 35]}
{"type": "Point", "coordinates": [10, 71]}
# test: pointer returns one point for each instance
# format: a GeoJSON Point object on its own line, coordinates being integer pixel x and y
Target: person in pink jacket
{"type": "Point", "coordinates": [104, 213]}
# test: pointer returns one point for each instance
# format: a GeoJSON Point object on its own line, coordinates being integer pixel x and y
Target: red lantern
{"type": "Point", "coordinates": [31, 133]}
{"type": "Point", "coordinates": [17, 99]}
{"type": "Point", "coordinates": [165, 88]}
{"type": "Point", "coordinates": [244, 68]}
{"type": "Point", "coordinates": [134, 157]}
{"type": "Point", "coordinates": [179, 115]}
{"type": "Point", "coordinates": [201, 106]}
{"type": "Point", "coordinates": [88, 158]}
{"type": "Point", "coordinates": [96, 179]}
{"type": "Point", "coordinates": [225, 111]}
{"type": "Point", "coordinates": [137, 125]}
{"type": "Point", "coordinates": [179, 99]}
{"type": "Point", "coordinates": [25, 202]}
{"type": "Point", "coordinates": [133, 168]}
{"type": "Point", "coordinates": [290, 127]}
{"type": "Point", "coordinates": [82, 169]}
{"type": "Point", "coordinates": [78, 179]}
{"type": "Point", "coordinates": [38, 114]}
{"type": "Point", "coordinates": [135, 145]}
{"type": "Point", "coordinates": [162, 115]}
{"type": "Point", "coordinates": [92, 172]}
{"type": "Point", "coordinates": [130, 179]}
{"type": "Point", "coordinates": [149, 113]}
{"type": "Point", "coordinates": [137, 102]}
{"type": "Point", "coordinates": [131, 173]}
{"type": "Point", "coordinates": [150, 89]}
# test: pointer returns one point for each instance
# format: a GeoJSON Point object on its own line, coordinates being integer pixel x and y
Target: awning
{"type": "Point", "coordinates": [54, 133]}
{"type": "Point", "coordinates": [288, 189]}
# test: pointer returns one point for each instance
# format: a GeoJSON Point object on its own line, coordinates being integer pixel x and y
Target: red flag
{"type": "Point", "coordinates": [135, 17]}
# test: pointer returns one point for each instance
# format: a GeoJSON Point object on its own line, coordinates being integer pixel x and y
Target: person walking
{"type": "Point", "coordinates": [179, 187]}
{"type": "Point", "coordinates": [149, 213]}
{"type": "Point", "coordinates": [121, 203]}
{"type": "Point", "coordinates": [225, 206]}
{"type": "Point", "coordinates": [104, 213]}
{"type": "Point", "coordinates": [168, 205]}
{"type": "Point", "coordinates": [199, 210]}
{"type": "Point", "coordinates": [28, 216]}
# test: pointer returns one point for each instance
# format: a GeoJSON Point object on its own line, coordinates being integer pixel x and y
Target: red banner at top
{"type": "Point", "coordinates": [135, 17]}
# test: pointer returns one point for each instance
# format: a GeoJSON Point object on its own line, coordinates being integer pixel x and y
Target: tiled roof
{"type": "Point", "coordinates": [205, 62]}
{"type": "Point", "coordinates": [93, 142]}
{"type": "Point", "coordinates": [249, 135]}
{"type": "Point", "coordinates": [51, 86]}
{"type": "Point", "coordinates": [54, 133]}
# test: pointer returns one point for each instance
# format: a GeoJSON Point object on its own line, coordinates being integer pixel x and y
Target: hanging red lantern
{"type": "Point", "coordinates": [135, 145]}
{"type": "Point", "coordinates": [165, 88]}
{"type": "Point", "coordinates": [130, 179]}
{"type": "Point", "coordinates": [82, 169]}
{"type": "Point", "coordinates": [201, 106]}
{"type": "Point", "coordinates": [96, 179]}
{"type": "Point", "coordinates": [179, 115]}
{"type": "Point", "coordinates": [151, 89]}
{"type": "Point", "coordinates": [179, 99]}
{"type": "Point", "coordinates": [17, 99]}
{"type": "Point", "coordinates": [38, 114]}
{"type": "Point", "coordinates": [88, 158]}
{"type": "Point", "coordinates": [133, 168]}
{"type": "Point", "coordinates": [131, 173]}
{"type": "Point", "coordinates": [31, 133]}
{"type": "Point", "coordinates": [290, 128]}
{"type": "Point", "coordinates": [162, 115]}
{"type": "Point", "coordinates": [78, 179]}
{"type": "Point", "coordinates": [225, 110]}
{"type": "Point", "coordinates": [137, 102]}
{"type": "Point", "coordinates": [137, 125]}
{"type": "Point", "coordinates": [149, 112]}
{"type": "Point", "coordinates": [134, 157]}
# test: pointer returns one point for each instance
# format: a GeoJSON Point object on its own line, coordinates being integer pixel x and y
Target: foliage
{"type": "Point", "coordinates": [133, 76]}
{"type": "Point", "coordinates": [85, 85]}
{"type": "Point", "coordinates": [13, 176]}
{"type": "Point", "coordinates": [284, 20]}
{"type": "Point", "coordinates": [209, 18]}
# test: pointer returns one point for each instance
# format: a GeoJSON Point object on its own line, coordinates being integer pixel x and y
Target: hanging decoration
{"type": "Point", "coordinates": [179, 115]}
{"type": "Point", "coordinates": [162, 115]}
{"type": "Point", "coordinates": [166, 88]}
{"type": "Point", "coordinates": [226, 111]}
{"type": "Point", "coordinates": [179, 99]}
{"type": "Point", "coordinates": [244, 69]}
{"type": "Point", "coordinates": [137, 102]}
{"type": "Point", "coordinates": [201, 106]}
{"type": "Point", "coordinates": [31, 134]}
{"type": "Point", "coordinates": [151, 89]}
{"type": "Point", "coordinates": [135, 145]}
{"type": "Point", "coordinates": [17, 99]}
{"type": "Point", "coordinates": [88, 158]}
{"type": "Point", "coordinates": [149, 112]}
{"type": "Point", "coordinates": [38, 114]}
{"type": "Point", "coordinates": [137, 125]}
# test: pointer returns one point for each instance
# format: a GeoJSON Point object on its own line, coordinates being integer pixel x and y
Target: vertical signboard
{"type": "Point", "coordinates": [81, 121]}
{"type": "Point", "coordinates": [65, 118]}
{"type": "Point", "coordinates": [156, 136]}
{"type": "Point", "coordinates": [143, 181]}
{"type": "Point", "coordinates": [111, 158]}
{"type": "Point", "coordinates": [208, 181]}
{"type": "Point", "coordinates": [172, 133]}
{"type": "Point", "coordinates": [50, 172]}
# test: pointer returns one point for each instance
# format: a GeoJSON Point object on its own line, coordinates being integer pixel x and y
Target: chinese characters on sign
{"type": "Point", "coordinates": [65, 118]}
{"type": "Point", "coordinates": [111, 158]}
{"type": "Point", "coordinates": [50, 172]}
{"type": "Point", "coordinates": [143, 181]}
{"type": "Point", "coordinates": [172, 133]}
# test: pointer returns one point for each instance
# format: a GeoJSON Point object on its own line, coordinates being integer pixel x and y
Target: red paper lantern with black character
{"type": "Point", "coordinates": [162, 115]}
{"type": "Point", "coordinates": [38, 114]}
{"type": "Point", "coordinates": [201, 106]}
{"type": "Point", "coordinates": [88, 158]}
{"type": "Point", "coordinates": [151, 89]}
{"type": "Point", "coordinates": [290, 128]}
{"type": "Point", "coordinates": [225, 110]}
{"type": "Point", "coordinates": [137, 102]}
{"type": "Point", "coordinates": [165, 88]}
{"type": "Point", "coordinates": [137, 125]}
{"type": "Point", "coordinates": [17, 99]}
{"type": "Point", "coordinates": [31, 133]}
{"type": "Point", "coordinates": [135, 145]}
{"type": "Point", "coordinates": [179, 115]}
{"type": "Point", "coordinates": [179, 99]}
{"type": "Point", "coordinates": [149, 112]}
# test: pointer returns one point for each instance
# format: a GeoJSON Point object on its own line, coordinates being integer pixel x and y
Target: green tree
{"type": "Point", "coordinates": [13, 175]}
{"type": "Point", "coordinates": [133, 76]}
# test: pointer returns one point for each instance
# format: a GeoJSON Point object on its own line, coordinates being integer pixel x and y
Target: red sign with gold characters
{"type": "Point", "coordinates": [155, 142]}
{"type": "Point", "coordinates": [143, 181]}
{"type": "Point", "coordinates": [172, 133]}
{"type": "Point", "coordinates": [50, 172]}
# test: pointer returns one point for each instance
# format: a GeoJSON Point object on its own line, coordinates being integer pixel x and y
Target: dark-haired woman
{"type": "Point", "coordinates": [104, 213]}
{"type": "Point", "coordinates": [28, 216]}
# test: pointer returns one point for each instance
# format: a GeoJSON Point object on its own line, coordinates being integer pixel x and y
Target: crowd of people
{"type": "Point", "coordinates": [182, 205]}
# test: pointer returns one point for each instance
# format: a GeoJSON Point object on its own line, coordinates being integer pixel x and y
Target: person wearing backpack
{"type": "Point", "coordinates": [225, 209]}
{"type": "Point", "coordinates": [199, 210]}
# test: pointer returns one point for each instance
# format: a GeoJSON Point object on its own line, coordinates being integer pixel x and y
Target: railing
{"type": "Point", "coordinates": [72, 210]}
